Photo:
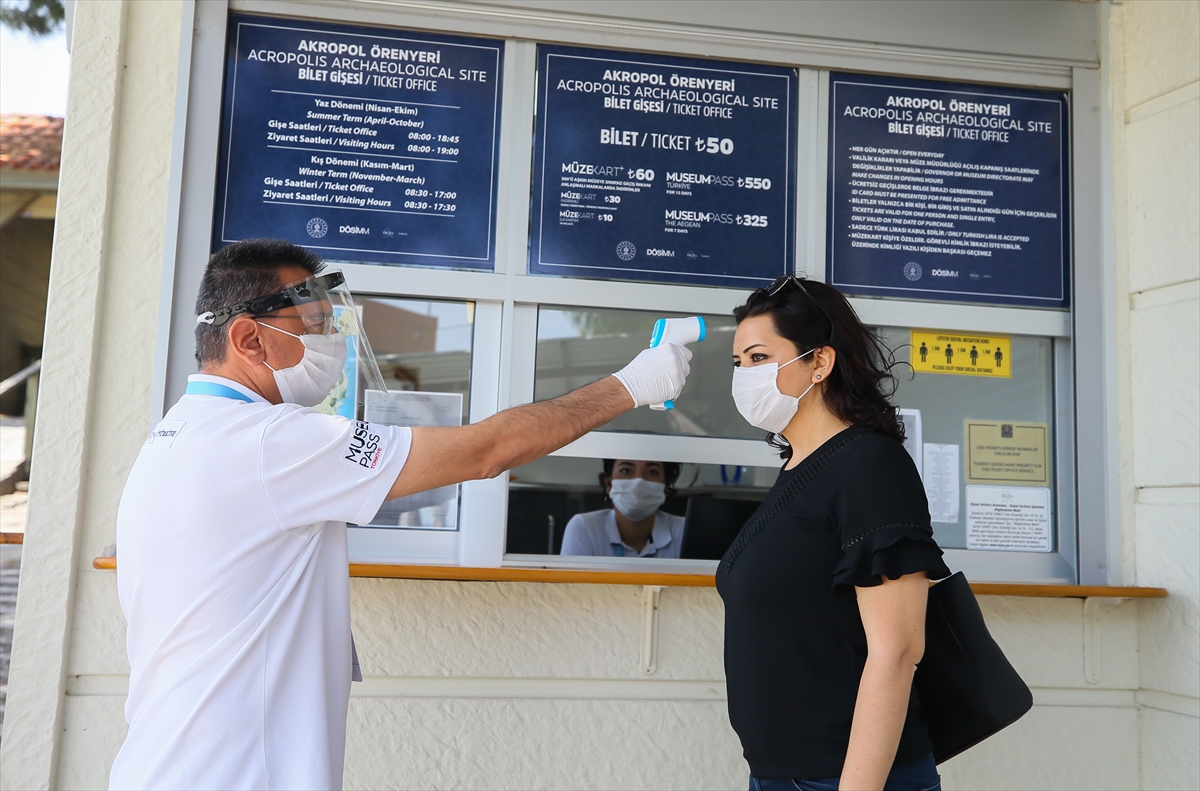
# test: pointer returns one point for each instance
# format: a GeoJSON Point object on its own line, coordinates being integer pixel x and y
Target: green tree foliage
{"type": "Point", "coordinates": [38, 17]}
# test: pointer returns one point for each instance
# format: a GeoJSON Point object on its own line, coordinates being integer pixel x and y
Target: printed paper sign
{"type": "Point", "coordinates": [948, 191]}
{"type": "Point", "coordinates": [665, 169]}
{"type": "Point", "coordinates": [1015, 519]}
{"type": "Point", "coordinates": [911, 418]}
{"type": "Point", "coordinates": [940, 465]}
{"type": "Point", "coordinates": [1002, 452]}
{"type": "Point", "coordinates": [414, 408]}
{"type": "Point", "coordinates": [436, 509]}
{"type": "Point", "coordinates": [962, 354]}
{"type": "Point", "coordinates": [368, 144]}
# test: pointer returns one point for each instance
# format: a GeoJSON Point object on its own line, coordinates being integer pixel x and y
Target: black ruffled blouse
{"type": "Point", "coordinates": [794, 641]}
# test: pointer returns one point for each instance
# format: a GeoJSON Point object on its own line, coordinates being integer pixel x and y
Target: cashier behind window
{"type": "Point", "coordinates": [634, 526]}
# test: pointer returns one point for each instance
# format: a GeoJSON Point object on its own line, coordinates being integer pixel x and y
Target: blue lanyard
{"type": "Point", "coordinates": [214, 389]}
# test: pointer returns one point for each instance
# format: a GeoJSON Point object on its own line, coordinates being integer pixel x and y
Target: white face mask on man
{"type": "Point", "coordinates": [309, 381]}
{"type": "Point", "coordinates": [757, 396]}
{"type": "Point", "coordinates": [637, 498]}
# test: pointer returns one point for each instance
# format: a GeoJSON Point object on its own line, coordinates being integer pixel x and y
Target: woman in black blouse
{"type": "Point", "coordinates": [825, 587]}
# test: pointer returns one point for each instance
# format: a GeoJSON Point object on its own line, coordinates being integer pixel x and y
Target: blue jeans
{"type": "Point", "coordinates": [920, 775]}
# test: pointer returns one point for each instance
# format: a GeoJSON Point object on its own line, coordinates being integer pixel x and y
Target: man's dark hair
{"type": "Point", "coordinates": [244, 270]}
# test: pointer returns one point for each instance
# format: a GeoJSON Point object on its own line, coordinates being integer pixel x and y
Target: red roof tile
{"type": "Point", "coordinates": [30, 142]}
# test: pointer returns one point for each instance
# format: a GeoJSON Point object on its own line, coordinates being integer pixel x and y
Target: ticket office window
{"type": "Point", "coordinates": [424, 352]}
{"type": "Point", "coordinates": [724, 466]}
{"type": "Point", "coordinates": [706, 505]}
{"type": "Point", "coordinates": [576, 346]}
{"type": "Point", "coordinates": [422, 345]}
{"type": "Point", "coordinates": [985, 444]}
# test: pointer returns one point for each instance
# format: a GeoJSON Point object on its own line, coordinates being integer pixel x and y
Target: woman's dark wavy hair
{"type": "Point", "coordinates": [811, 315]}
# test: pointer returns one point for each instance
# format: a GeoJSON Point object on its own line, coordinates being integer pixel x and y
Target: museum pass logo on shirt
{"type": "Point", "coordinates": [365, 446]}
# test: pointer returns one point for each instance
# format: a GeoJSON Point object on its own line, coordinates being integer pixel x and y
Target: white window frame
{"type": "Point", "coordinates": [507, 300]}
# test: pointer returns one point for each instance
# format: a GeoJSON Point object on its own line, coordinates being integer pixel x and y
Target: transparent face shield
{"type": "Point", "coordinates": [320, 305]}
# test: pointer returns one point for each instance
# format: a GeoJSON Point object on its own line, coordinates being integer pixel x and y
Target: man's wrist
{"type": "Point", "coordinates": [624, 388]}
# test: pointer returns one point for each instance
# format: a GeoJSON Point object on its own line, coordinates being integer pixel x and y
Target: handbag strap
{"type": "Point", "coordinates": [812, 469]}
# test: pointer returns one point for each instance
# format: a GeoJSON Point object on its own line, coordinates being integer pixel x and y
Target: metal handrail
{"type": "Point", "coordinates": [20, 376]}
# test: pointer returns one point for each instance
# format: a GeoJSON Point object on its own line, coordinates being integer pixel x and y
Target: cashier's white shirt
{"type": "Point", "coordinates": [232, 574]}
{"type": "Point", "coordinates": [596, 533]}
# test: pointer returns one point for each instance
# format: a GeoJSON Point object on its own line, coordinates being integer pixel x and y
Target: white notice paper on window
{"type": "Point", "coordinates": [940, 473]}
{"type": "Point", "coordinates": [911, 418]}
{"type": "Point", "coordinates": [436, 509]}
{"type": "Point", "coordinates": [413, 408]}
{"type": "Point", "coordinates": [1014, 518]}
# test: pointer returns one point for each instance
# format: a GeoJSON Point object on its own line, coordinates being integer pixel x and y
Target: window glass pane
{"type": "Point", "coordinates": [1001, 429]}
{"type": "Point", "coordinates": [578, 346]}
{"type": "Point", "coordinates": [544, 496]}
{"type": "Point", "coordinates": [422, 346]}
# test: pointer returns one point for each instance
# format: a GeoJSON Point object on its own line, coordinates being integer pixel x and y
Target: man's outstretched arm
{"type": "Point", "coordinates": [443, 456]}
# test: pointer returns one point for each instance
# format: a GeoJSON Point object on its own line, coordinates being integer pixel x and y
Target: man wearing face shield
{"type": "Point", "coordinates": [634, 526]}
{"type": "Point", "coordinates": [232, 525]}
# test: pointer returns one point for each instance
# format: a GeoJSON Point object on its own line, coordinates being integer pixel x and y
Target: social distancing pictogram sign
{"type": "Point", "coordinates": [961, 354]}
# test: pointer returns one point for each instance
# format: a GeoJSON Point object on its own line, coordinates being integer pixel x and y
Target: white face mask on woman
{"type": "Point", "coordinates": [637, 498]}
{"type": "Point", "coordinates": [757, 396]}
{"type": "Point", "coordinates": [309, 381]}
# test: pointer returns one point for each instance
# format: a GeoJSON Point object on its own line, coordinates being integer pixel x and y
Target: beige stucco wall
{"type": "Point", "coordinates": [486, 685]}
{"type": "Point", "coordinates": [101, 317]}
{"type": "Point", "coordinates": [1155, 102]}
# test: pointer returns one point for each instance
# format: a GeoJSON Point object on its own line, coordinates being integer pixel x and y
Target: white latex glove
{"type": "Point", "coordinates": [656, 375]}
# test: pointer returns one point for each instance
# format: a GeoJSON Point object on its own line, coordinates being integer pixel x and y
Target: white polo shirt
{"type": "Point", "coordinates": [596, 533]}
{"type": "Point", "coordinates": [232, 574]}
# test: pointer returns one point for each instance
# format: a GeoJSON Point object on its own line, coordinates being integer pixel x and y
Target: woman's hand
{"type": "Point", "coordinates": [893, 616]}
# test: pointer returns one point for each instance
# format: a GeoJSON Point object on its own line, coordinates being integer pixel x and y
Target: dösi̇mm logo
{"type": "Point", "coordinates": [317, 227]}
{"type": "Point", "coordinates": [912, 271]}
{"type": "Point", "coordinates": [943, 272]}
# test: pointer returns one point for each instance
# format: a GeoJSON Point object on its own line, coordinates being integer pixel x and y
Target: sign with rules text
{"type": "Point", "coordinates": [1007, 452]}
{"type": "Point", "coordinates": [961, 354]}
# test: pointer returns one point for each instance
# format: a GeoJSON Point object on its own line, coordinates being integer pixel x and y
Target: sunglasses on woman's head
{"type": "Point", "coordinates": [783, 280]}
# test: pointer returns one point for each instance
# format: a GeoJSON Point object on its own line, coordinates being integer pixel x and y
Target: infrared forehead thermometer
{"type": "Point", "coordinates": [681, 331]}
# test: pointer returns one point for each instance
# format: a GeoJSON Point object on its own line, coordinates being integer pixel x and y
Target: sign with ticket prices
{"type": "Point", "coordinates": [366, 144]}
{"type": "Point", "coordinates": [664, 169]}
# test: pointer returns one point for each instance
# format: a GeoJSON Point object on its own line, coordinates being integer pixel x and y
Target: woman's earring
{"type": "Point", "coordinates": [818, 376]}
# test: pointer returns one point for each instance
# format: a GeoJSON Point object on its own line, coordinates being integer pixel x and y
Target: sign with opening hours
{"type": "Point", "coordinates": [948, 191]}
{"type": "Point", "coordinates": [366, 144]}
{"type": "Point", "coordinates": [671, 170]}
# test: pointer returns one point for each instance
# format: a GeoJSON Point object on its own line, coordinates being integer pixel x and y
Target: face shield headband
{"type": "Point", "coordinates": [327, 308]}
{"type": "Point", "coordinates": [315, 289]}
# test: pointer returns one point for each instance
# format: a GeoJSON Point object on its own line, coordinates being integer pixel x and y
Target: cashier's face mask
{"type": "Point", "coordinates": [637, 498]}
{"type": "Point", "coordinates": [309, 381]}
{"type": "Point", "coordinates": [758, 399]}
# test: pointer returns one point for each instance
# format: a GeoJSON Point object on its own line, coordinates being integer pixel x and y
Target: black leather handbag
{"type": "Point", "coordinates": [968, 689]}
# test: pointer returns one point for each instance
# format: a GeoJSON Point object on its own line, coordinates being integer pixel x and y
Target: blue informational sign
{"type": "Point", "coordinates": [948, 191]}
{"type": "Point", "coordinates": [365, 144]}
{"type": "Point", "coordinates": [663, 169]}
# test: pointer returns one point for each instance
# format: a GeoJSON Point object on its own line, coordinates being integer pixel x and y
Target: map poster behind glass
{"type": "Point", "coordinates": [948, 191]}
{"type": "Point", "coordinates": [365, 144]}
{"type": "Point", "coordinates": [663, 169]}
